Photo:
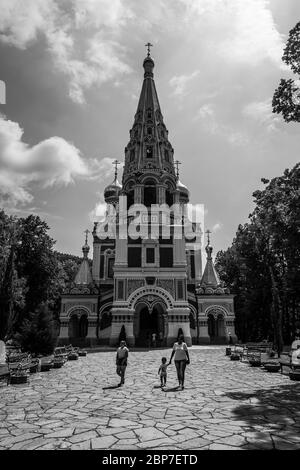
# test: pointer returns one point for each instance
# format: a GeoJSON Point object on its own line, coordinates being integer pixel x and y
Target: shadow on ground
{"type": "Point", "coordinates": [271, 413]}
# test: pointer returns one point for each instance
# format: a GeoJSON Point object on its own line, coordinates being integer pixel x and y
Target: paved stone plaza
{"type": "Point", "coordinates": [225, 405]}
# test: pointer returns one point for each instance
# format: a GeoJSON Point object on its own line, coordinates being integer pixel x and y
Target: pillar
{"type": "Point", "coordinates": [204, 337]}
{"type": "Point", "coordinates": [120, 317]}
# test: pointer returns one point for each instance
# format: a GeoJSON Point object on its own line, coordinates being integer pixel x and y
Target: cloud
{"type": "Point", "coordinates": [217, 227]}
{"type": "Point", "coordinates": [207, 116]}
{"type": "Point", "coordinates": [181, 82]}
{"type": "Point", "coordinates": [86, 37]}
{"type": "Point", "coordinates": [238, 31]}
{"type": "Point", "coordinates": [261, 112]}
{"type": "Point", "coordinates": [82, 37]}
{"type": "Point", "coordinates": [51, 162]}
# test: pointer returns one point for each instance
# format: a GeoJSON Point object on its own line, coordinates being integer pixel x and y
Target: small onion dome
{"type": "Point", "coordinates": [112, 191]}
{"type": "Point", "coordinates": [183, 190]}
{"type": "Point", "coordinates": [85, 250]}
{"type": "Point", "coordinates": [209, 250]}
{"type": "Point", "coordinates": [148, 65]}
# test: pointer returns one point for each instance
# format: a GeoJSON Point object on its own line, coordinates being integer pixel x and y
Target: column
{"type": "Point", "coordinates": [204, 337]}
{"type": "Point", "coordinates": [120, 317]}
{"type": "Point", "coordinates": [179, 318]}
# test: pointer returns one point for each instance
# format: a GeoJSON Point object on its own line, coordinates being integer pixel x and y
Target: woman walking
{"type": "Point", "coordinates": [182, 358]}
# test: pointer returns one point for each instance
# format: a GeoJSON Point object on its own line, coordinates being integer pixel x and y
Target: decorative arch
{"type": "Point", "coordinates": [151, 179]}
{"type": "Point", "coordinates": [150, 292]}
{"type": "Point", "coordinates": [215, 311]}
{"type": "Point", "coordinates": [74, 310]}
{"type": "Point", "coordinates": [105, 307]}
{"type": "Point", "coordinates": [193, 314]}
{"type": "Point", "coordinates": [151, 305]}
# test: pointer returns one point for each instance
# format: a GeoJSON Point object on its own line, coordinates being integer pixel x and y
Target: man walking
{"type": "Point", "coordinates": [121, 361]}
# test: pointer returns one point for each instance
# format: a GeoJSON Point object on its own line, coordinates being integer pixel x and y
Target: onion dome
{"type": "Point", "coordinates": [184, 193]}
{"type": "Point", "coordinates": [113, 190]}
{"type": "Point", "coordinates": [148, 63]}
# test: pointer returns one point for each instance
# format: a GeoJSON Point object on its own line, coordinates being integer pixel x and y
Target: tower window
{"type": "Point", "coordinates": [149, 196]}
{"type": "Point", "coordinates": [149, 152]}
{"type": "Point", "coordinates": [166, 257]}
{"type": "Point", "coordinates": [167, 156]}
{"type": "Point", "coordinates": [149, 130]}
{"type": "Point", "coordinates": [149, 114]}
{"type": "Point", "coordinates": [132, 154]}
{"type": "Point", "coordinates": [134, 257]}
{"type": "Point", "coordinates": [150, 255]}
{"type": "Point", "coordinates": [110, 271]}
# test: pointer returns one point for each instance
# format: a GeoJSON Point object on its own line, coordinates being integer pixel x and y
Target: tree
{"type": "Point", "coordinates": [122, 335]}
{"type": "Point", "coordinates": [12, 287]}
{"type": "Point", "coordinates": [262, 266]}
{"type": "Point", "coordinates": [36, 334]}
{"type": "Point", "coordinates": [286, 99]}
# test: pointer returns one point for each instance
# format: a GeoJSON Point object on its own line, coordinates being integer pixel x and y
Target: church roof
{"type": "Point", "coordinates": [149, 147]}
{"type": "Point", "coordinates": [210, 282]}
{"type": "Point", "coordinates": [210, 276]}
{"type": "Point", "coordinates": [84, 275]}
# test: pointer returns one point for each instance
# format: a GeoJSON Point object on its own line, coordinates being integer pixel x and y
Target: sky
{"type": "Point", "coordinates": [73, 73]}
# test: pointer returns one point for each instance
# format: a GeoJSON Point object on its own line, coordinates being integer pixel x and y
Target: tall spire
{"type": "Point", "coordinates": [149, 146]}
{"type": "Point", "coordinates": [210, 276]}
{"type": "Point", "coordinates": [84, 275]}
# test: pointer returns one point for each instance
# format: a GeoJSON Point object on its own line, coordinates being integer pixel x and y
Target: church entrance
{"type": "Point", "coordinates": [216, 328]}
{"type": "Point", "coordinates": [149, 326]}
{"type": "Point", "coordinates": [78, 328]}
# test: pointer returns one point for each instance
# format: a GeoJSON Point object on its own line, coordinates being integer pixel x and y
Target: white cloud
{"type": "Point", "coordinates": [86, 37]}
{"type": "Point", "coordinates": [180, 83]}
{"type": "Point", "coordinates": [207, 116]}
{"type": "Point", "coordinates": [52, 162]}
{"type": "Point", "coordinates": [261, 112]}
{"type": "Point", "coordinates": [217, 227]}
{"type": "Point", "coordinates": [82, 37]}
{"type": "Point", "coordinates": [238, 31]}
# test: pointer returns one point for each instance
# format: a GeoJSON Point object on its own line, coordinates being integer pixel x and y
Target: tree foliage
{"type": "Point", "coordinates": [286, 99]}
{"type": "Point", "coordinates": [262, 266]}
{"type": "Point", "coordinates": [32, 273]}
{"type": "Point", "coordinates": [37, 333]}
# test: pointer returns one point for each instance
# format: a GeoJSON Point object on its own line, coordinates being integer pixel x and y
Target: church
{"type": "Point", "coordinates": [145, 283]}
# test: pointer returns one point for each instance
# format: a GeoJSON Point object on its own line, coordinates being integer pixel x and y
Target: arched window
{"type": "Point", "coordinates": [167, 158]}
{"type": "Point", "coordinates": [149, 151]}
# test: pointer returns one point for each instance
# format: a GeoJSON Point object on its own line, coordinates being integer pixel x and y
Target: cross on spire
{"type": "Point", "coordinates": [116, 163]}
{"type": "Point", "coordinates": [148, 45]}
{"type": "Point", "coordinates": [86, 235]}
{"type": "Point", "coordinates": [177, 163]}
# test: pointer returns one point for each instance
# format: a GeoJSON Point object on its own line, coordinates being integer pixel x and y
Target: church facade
{"type": "Point", "coordinates": [146, 283]}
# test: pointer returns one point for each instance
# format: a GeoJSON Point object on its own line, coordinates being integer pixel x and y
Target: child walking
{"type": "Point", "coordinates": [163, 372]}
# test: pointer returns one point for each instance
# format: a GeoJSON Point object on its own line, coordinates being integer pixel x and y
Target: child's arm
{"type": "Point", "coordinates": [159, 369]}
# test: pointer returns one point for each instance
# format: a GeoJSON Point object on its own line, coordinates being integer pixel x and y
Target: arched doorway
{"type": "Point", "coordinates": [216, 327]}
{"type": "Point", "coordinates": [149, 321]}
{"type": "Point", "coordinates": [211, 323]}
{"type": "Point", "coordinates": [73, 327]}
{"type": "Point", "coordinates": [78, 327]}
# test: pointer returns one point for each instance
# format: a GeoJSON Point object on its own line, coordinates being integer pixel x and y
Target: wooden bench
{"type": "Point", "coordinates": [256, 350]}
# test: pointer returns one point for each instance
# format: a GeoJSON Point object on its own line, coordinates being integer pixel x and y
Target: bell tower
{"type": "Point", "coordinates": [150, 271]}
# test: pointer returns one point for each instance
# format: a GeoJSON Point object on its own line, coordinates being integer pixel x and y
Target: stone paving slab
{"type": "Point", "coordinates": [225, 405]}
